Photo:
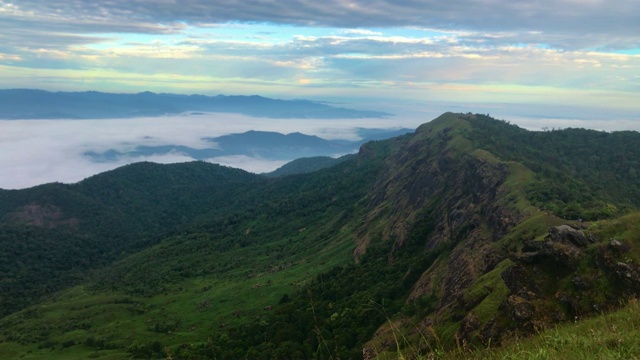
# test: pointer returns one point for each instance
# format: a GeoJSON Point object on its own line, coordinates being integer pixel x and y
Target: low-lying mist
{"type": "Point", "coordinates": [34, 152]}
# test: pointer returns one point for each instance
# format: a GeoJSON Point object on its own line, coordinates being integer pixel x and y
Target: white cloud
{"type": "Point", "coordinates": [34, 152]}
{"type": "Point", "coordinates": [590, 21]}
{"type": "Point", "coordinates": [360, 32]}
{"type": "Point", "coordinates": [9, 57]}
{"type": "Point", "coordinates": [399, 50]}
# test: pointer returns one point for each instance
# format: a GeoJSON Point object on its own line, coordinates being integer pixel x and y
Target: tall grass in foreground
{"type": "Point", "coordinates": [614, 335]}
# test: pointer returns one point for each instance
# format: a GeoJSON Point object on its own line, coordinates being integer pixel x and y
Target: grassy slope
{"type": "Point", "coordinates": [605, 335]}
{"type": "Point", "coordinates": [608, 336]}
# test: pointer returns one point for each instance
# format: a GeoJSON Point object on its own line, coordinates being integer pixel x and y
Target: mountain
{"type": "Point", "coordinates": [470, 233]}
{"type": "Point", "coordinates": [40, 104]}
{"type": "Point", "coordinates": [84, 226]}
{"type": "Point", "coordinates": [258, 144]}
{"type": "Point", "coordinates": [307, 165]}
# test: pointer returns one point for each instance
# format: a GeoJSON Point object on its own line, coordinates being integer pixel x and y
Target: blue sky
{"type": "Point", "coordinates": [548, 58]}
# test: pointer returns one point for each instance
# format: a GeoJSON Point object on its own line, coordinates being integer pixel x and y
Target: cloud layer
{"type": "Point", "coordinates": [596, 22]}
{"type": "Point", "coordinates": [34, 152]}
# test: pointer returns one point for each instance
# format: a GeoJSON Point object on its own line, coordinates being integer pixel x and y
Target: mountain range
{"type": "Point", "coordinates": [40, 104]}
{"type": "Point", "coordinates": [454, 241]}
{"type": "Point", "coordinates": [258, 144]}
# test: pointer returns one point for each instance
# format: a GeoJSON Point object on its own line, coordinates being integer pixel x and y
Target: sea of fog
{"type": "Point", "coordinates": [34, 152]}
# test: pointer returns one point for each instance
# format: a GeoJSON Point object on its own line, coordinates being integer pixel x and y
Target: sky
{"type": "Point", "coordinates": [577, 59]}
{"type": "Point", "coordinates": [539, 64]}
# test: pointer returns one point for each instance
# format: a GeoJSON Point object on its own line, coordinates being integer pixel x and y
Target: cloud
{"type": "Point", "coordinates": [34, 152]}
{"type": "Point", "coordinates": [9, 57]}
{"type": "Point", "coordinates": [592, 23]}
{"type": "Point", "coordinates": [360, 32]}
{"type": "Point", "coordinates": [475, 52]}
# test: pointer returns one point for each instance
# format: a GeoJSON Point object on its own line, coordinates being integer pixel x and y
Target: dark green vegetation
{"type": "Point", "coordinates": [579, 173]}
{"type": "Point", "coordinates": [458, 238]}
{"type": "Point", "coordinates": [307, 165]}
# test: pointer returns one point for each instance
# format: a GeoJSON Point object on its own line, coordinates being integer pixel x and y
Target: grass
{"type": "Point", "coordinates": [607, 336]}
{"type": "Point", "coordinates": [489, 291]}
{"type": "Point", "coordinates": [613, 335]}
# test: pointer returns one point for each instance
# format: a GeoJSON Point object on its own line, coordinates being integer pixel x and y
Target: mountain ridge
{"type": "Point", "coordinates": [256, 144]}
{"type": "Point", "coordinates": [41, 104]}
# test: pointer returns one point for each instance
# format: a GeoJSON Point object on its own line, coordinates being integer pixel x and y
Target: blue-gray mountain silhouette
{"type": "Point", "coordinates": [259, 144]}
{"type": "Point", "coordinates": [40, 104]}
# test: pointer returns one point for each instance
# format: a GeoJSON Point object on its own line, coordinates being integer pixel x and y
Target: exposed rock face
{"type": "Point", "coordinates": [521, 309]}
{"type": "Point", "coordinates": [628, 273]}
{"type": "Point", "coordinates": [568, 235]}
{"type": "Point", "coordinates": [563, 246]}
{"type": "Point", "coordinates": [446, 198]}
{"type": "Point", "coordinates": [561, 277]}
{"type": "Point", "coordinates": [618, 246]}
{"type": "Point", "coordinates": [469, 325]}
{"type": "Point", "coordinates": [428, 179]}
{"type": "Point", "coordinates": [474, 213]}
{"type": "Point", "coordinates": [557, 256]}
{"type": "Point", "coordinates": [520, 282]}
{"type": "Point", "coordinates": [456, 193]}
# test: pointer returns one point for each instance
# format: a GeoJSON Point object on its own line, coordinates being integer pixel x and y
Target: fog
{"type": "Point", "coordinates": [34, 152]}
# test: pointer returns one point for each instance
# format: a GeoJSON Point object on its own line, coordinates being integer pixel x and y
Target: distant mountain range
{"type": "Point", "coordinates": [259, 144]}
{"type": "Point", "coordinates": [40, 104]}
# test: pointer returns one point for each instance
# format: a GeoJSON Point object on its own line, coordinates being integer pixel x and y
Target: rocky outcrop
{"type": "Point", "coordinates": [563, 246]}
{"type": "Point", "coordinates": [520, 282]}
{"type": "Point", "coordinates": [568, 235]}
{"type": "Point", "coordinates": [629, 274]}
{"type": "Point", "coordinates": [438, 194]}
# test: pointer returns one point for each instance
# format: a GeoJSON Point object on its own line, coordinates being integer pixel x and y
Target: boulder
{"type": "Point", "coordinates": [618, 246]}
{"type": "Point", "coordinates": [563, 245]}
{"type": "Point", "coordinates": [568, 235]}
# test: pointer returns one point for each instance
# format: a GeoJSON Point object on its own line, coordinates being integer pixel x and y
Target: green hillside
{"type": "Point", "coordinates": [467, 235]}
{"type": "Point", "coordinates": [307, 165]}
